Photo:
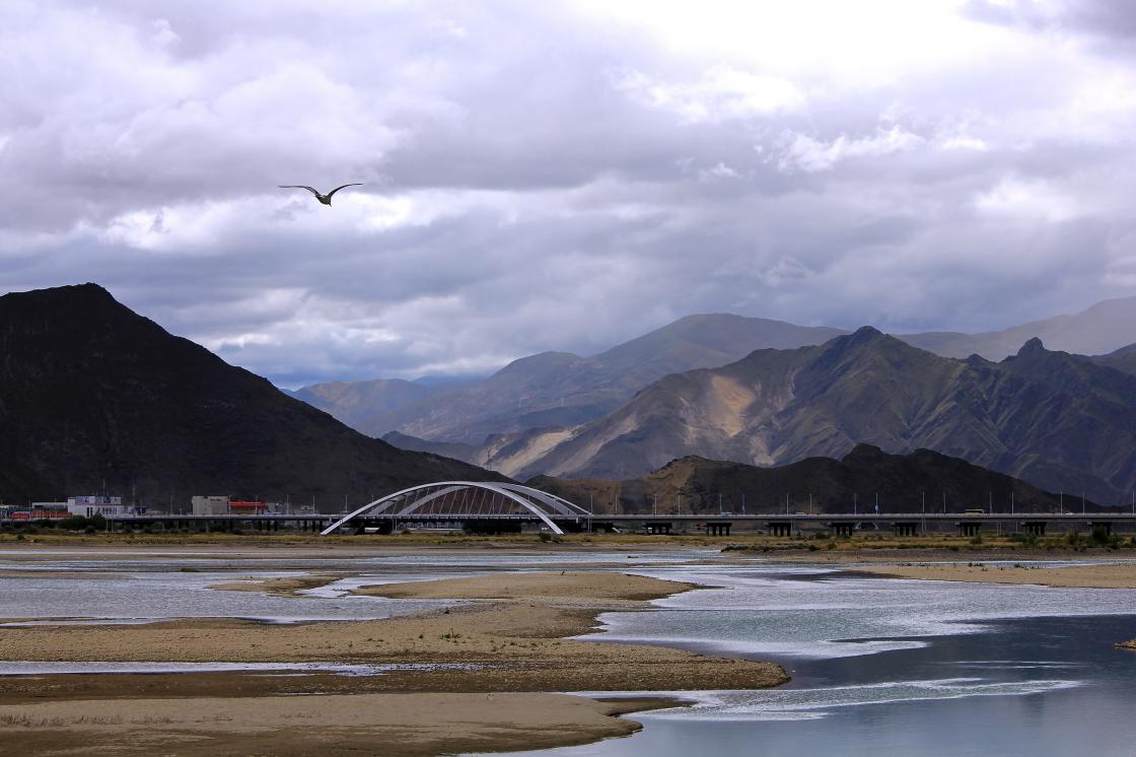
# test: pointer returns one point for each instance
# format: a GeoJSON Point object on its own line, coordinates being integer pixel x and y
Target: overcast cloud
{"type": "Point", "coordinates": [563, 176]}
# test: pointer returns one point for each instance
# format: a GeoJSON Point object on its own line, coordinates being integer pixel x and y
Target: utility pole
{"type": "Point", "coordinates": [719, 503]}
{"type": "Point", "coordinates": [855, 497]}
{"type": "Point", "coordinates": [744, 504]}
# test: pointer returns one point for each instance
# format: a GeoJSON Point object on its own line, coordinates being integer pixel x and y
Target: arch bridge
{"type": "Point", "coordinates": [472, 504]}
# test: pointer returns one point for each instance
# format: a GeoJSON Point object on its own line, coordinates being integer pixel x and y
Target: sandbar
{"type": "Point", "coordinates": [509, 635]}
{"type": "Point", "coordinates": [1097, 576]}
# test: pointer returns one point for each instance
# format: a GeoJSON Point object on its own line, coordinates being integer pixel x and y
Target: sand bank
{"type": "Point", "coordinates": [278, 586]}
{"type": "Point", "coordinates": [1103, 576]}
{"type": "Point", "coordinates": [589, 587]}
{"type": "Point", "coordinates": [508, 638]}
{"type": "Point", "coordinates": [404, 724]}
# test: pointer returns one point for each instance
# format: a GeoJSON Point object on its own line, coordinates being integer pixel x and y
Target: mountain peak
{"type": "Point", "coordinates": [867, 332]}
{"type": "Point", "coordinates": [1033, 346]}
{"type": "Point", "coordinates": [88, 291]}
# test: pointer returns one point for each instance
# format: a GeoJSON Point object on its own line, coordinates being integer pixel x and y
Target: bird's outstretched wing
{"type": "Point", "coordinates": [313, 190]}
{"type": "Point", "coordinates": [329, 194]}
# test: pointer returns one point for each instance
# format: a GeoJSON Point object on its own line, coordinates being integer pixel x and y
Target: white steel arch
{"type": "Point", "coordinates": [521, 495]}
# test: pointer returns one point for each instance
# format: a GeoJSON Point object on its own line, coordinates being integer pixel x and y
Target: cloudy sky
{"type": "Point", "coordinates": [563, 175]}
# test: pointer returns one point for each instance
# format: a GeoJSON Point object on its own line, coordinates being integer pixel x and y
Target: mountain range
{"type": "Point", "coordinates": [552, 388]}
{"type": "Point", "coordinates": [922, 480]}
{"type": "Point", "coordinates": [95, 398]}
{"type": "Point", "coordinates": [1059, 421]}
{"type": "Point", "coordinates": [539, 395]}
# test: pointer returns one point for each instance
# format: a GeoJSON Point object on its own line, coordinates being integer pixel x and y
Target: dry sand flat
{"type": "Point", "coordinates": [1103, 576]}
{"type": "Point", "coordinates": [387, 724]}
{"type": "Point", "coordinates": [508, 639]}
{"type": "Point", "coordinates": [279, 586]}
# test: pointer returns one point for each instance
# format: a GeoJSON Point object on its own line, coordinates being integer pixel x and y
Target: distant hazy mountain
{"type": "Point", "coordinates": [94, 397]}
{"type": "Point", "coordinates": [374, 405]}
{"type": "Point", "coordinates": [559, 388]}
{"type": "Point", "coordinates": [1123, 359]}
{"type": "Point", "coordinates": [1057, 420]}
{"type": "Point", "coordinates": [902, 483]}
{"type": "Point", "coordinates": [1102, 328]}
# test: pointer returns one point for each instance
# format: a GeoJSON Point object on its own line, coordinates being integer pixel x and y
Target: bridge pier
{"type": "Point", "coordinates": [969, 528]}
{"type": "Point", "coordinates": [718, 528]}
{"type": "Point", "coordinates": [1034, 527]}
{"type": "Point", "coordinates": [658, 527]}
{"type": "Point", "coordinates": [1101, 527]}
{"type": "Point", "coordinates": [781, 527]}
{"type": "Point", "coordinates": [842, 528]}
{"type": "Point", "coordinates": [905, 528]}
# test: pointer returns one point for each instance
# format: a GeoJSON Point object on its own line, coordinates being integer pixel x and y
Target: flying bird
{"type": "Point", "coordinates": [324, 198]}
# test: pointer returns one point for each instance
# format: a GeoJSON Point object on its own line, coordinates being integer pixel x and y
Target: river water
{"type": "Point", "coordinates": [879, 666]}
{"type": "Point", "coordinates": [891, 667]}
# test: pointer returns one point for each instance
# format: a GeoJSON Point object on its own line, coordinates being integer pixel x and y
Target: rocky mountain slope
{"type": "Point", "coordinates": [1123, 359]}
{"type": "Point", "coordinates": [900, 483]}
{"type": "Point", "coordinates": [94, 397]}
{"type": "Point", "coordinates": [1057, 420]}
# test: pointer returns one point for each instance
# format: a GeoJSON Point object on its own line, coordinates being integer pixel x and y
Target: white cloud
{"type": "Point", "coordinates": [804, 153]}
{"type": "Point", "coordinates": [721, 93]}
{"type": "Point", "coordinates": [1028, 199]}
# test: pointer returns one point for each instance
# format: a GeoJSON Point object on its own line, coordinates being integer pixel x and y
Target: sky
{"type": "Point", "coordinates": [563, 175]}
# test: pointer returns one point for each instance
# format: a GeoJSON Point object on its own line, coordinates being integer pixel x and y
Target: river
{"type": "Point", "coordinates": [880, 666]}
{"type": "Point", "coordinates": [891, 667]}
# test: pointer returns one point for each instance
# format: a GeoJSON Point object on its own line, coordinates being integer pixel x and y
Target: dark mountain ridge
{"type": "Point", "coordinates": [920, 481]}
{"type": "Point", "coordinates": [94, 397]}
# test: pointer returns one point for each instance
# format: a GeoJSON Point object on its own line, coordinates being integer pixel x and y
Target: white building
{"type": "Point", "coordinates": [90, 505]}
{"type": "Point", "coordinates": [215, 504]}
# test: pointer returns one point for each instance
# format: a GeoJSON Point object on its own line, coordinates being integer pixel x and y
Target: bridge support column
{"type": "Point", "coordinates": [905, 528]}
{"type": "Point", "coordinates": [1034, 527]}
{"type": "Point", "coordinates": [1101, 527]}
{"type": "Point", "coordinates": [969, 528]}
{"type": "Point", "coordinates": [718, 528]}
{"type": "Point", "coordinates": [781, 527]}
{"type": "Point", "coordinates": [842, 528]}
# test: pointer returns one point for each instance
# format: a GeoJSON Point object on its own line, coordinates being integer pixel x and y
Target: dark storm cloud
{"type": "Point", "coordinates": [548, 176]}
